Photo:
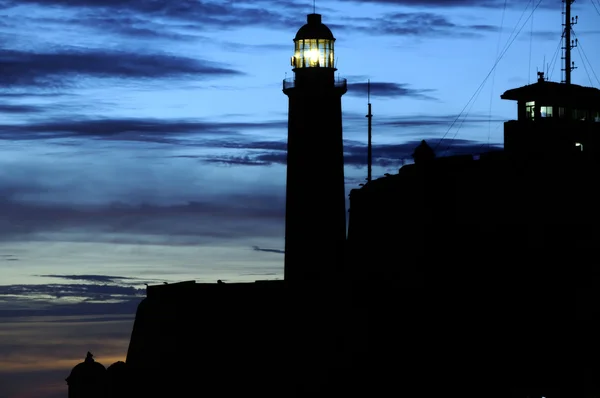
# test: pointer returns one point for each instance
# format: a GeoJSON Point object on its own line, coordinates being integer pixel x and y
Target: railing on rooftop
{"type": "Point", "coordinates": [339, 82]}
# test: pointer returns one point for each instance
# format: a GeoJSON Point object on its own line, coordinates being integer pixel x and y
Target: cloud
{"type": "Point", "coordinates": [18, 109]}
{"type": "Point", "coordinates": [90, 278]}
{"type": "Point", "coordinates": [355, 152]}
{"type": "Point", "coordinates": [435, 120]}
{"type": "Point", "coordinates": [445, 3]}
{"type": "Point", "coordinates": [389, 90]}
{"type": "Point", "coordinates": [220, 217]}
{"type": "Point", "coordinates": [259, 249]}
{"type": "Point", "coordinates": [8, 257]}
{"type": "Point", "coordinates": [84, 291]}
{"type": "Point", "coordinates": [55, 69]}
{"type": "Point", "coordinates": [258, 159]}
{"type": "Point", "coordinates": [68, 299]}
{"type": "Point", "coordinates": [132, 129]}
{"type": "Point", "coordinates": [204, 14]}
{"type": "Point", "coordinates": [413, 24]}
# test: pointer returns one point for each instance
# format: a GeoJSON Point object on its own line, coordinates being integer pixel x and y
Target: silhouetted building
{"type": "Point", "coordinates": [459, 275]}
{"type": "Point", "coordinates": [315, 217]}
{"type": "Point", "coordinates": [554, 120]}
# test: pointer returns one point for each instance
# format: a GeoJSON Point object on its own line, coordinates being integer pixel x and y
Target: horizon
{"type": "Point", "coordinates": [145, 142]}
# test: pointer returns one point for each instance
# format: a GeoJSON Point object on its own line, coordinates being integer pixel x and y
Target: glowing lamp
{"type": "Point", "coordinates": [313, 45]}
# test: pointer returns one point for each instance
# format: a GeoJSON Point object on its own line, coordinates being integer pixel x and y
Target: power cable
{"type": "Point", "coordinates": [507, 46]}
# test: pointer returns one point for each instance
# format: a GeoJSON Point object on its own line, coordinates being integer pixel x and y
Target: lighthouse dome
{"type": "Point", "coordinates": [314, 29]}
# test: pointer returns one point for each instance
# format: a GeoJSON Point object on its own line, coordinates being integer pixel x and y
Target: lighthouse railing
{"type": "Point", "coordinates": [338, 82]}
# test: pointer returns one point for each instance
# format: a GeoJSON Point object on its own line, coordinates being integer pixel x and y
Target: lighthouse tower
{"type": "Point", "coordinates": [315, 223]}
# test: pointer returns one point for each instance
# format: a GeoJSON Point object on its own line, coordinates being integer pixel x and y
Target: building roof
{"type": "Point", "coordinates": [543, 89]}
{"type": "Point", "coordinates": [314, 29]}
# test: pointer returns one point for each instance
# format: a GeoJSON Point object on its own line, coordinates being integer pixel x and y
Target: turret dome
{"type": "Point", "coordinates": [86, 371]}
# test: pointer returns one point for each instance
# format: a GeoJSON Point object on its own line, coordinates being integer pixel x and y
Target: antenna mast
{"type": "Point", "coordinates": [314, 7]}
{"type": "Point", "coordinates": [369, 146]}
{"type": "Point", "coordinates": [569, 66]}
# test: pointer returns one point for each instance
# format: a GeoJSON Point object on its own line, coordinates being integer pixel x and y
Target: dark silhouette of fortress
{"type": "Point", "coordinates": [457, 277]}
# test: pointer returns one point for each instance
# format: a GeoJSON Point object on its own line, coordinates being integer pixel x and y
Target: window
{"type": "Point", "coordinates": [313, 53]}
{"type": "Point", "coordinates": [545, 111]}
{"type": "Point", "coordinates": [579, 114]}
{"type": "Point", "coordinates": [561, 112]}
{"type": "Point", "coordinates": [579, 145]}
{"type": "Point", "coordinates": [530, 110]}
{"type": "Point", "coordinates": [597, 116]}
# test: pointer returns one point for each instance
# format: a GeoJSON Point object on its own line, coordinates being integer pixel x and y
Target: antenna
{"type": "Point", "coordinates": [369, 145]}
{"type": "Point", "coordinates": [569, 66]}
{"type": "Point", "coordinates": [314, 7]}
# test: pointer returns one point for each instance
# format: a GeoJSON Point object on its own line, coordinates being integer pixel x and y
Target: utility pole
{"type": "Point", "coordinates": [569, 66]}
{"type": "Point", "coordinates": [369, 145]}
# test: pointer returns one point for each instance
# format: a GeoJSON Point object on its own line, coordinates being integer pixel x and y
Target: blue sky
{"type": "Point", "coordinates": [143, 141]}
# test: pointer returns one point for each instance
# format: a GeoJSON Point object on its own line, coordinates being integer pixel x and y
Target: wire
{"type": "Point", "coordinates": [586, 59]}
{"type": "Point", "coordinates": [509, 42]}
{"type": "Point", "coordinates": [476, 94]}
{"type": "Point", "coordinates": [494, 75]}
{"type": "Point", "coordinates": [555, 56]}
{"type": "Point", "coordinates": [585, 68]}
{"type": "Point", "coordinates": [530, 46]}
{"type": "Point", "coordinates": [596, 7]}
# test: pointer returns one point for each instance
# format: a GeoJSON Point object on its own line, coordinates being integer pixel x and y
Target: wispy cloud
{"type": "Point", "coordinates": [445, 3]}
{"type": "Point", "coordinates": [389, 90]}
{"type": "Point", "coordinates": [56, 69]}
{"type": "Point", "coordinates": [355, 152]}
{"type": "Point", "coordinates": [260, 249]}
{"type": "Point", "coordinates": [133, 129]}
{"type": "Point", "coordinates": [422, 24]}
{"type": "Point", "coordinates": [91, 278]}
{"type": "Point", "coordinates": [174, 225]}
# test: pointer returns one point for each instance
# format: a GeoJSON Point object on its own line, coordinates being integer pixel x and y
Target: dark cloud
{"type": "Point", "coordinates": [226, 217]}
{"type": "Point", "coordinates": [355, 153]}
{"type": "Point", "coordinates": [447, 3]}
{"type": "Point", "coordinates": [267, 145]}
{"type": "Point", "coordinates": [8, 257]}
{"type": "Point", "coordinates": [18, 109]}
{"type": "Point", "coordinates": [390, 90]}
{"type": "Point", "coordinates": [136, 27]}
{"type": "Point", "coordinates": [130, 129]}
{"type": "Point", "coordinates": [259, 249]}
{"type": "Point", "coordinates": [414, 24]}
{"type": "Point", "coordinates": [257, 159]}
{"type": "Point", "coordinates": [233, 160]}
{"type": "Point", "coordinates": [69, 299]}
{"type": "Point", "coordinates": [23, 307]}
{"type": "Point", "coordinates": [84, 291]}
{"type": "Point", "coordinates": [436, 120]}
{"type": "Point", "coordinates": [90, 278]}
{"type": "Point", "coordinates": [394, 155]}
{"type": "Point", "coordinates": [205, 14]}
{"type": "Point", "coordinates": [54, 69]}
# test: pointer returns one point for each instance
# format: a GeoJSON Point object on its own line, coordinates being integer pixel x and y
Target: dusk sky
{"type": "Point", "coordinates": [144, 141]}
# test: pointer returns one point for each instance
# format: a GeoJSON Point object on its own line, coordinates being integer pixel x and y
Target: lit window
{"type": "Point", "coordinates": [545, 111]}
{"type": "Point", "coordinates": [313, 53]}
{"type": "Point", "coordinates": [597, 117]}
{"type": "Point", "coordinates": [530, 110]}
{"type": "Point", "coordinates": [579, 145]}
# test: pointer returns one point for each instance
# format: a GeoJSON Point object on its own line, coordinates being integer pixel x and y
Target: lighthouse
{"type": "Point", "coordinates": [315, 221]}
